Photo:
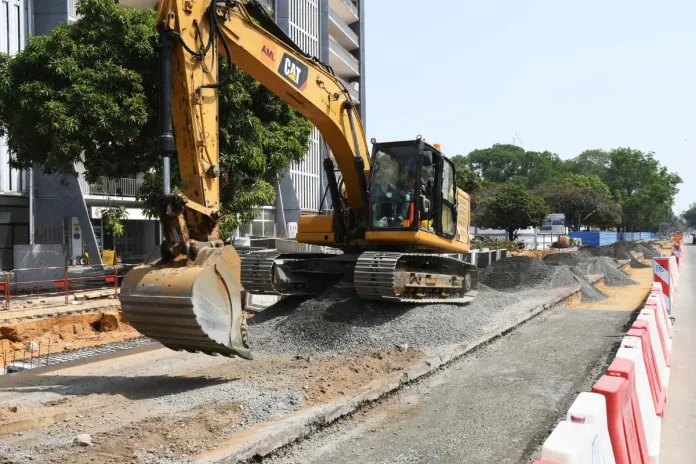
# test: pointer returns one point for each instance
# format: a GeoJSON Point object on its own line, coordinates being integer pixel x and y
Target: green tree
{"type": "Point", "coordinates": [591, 182]}
{"type": "Point", "coordinates": [644, 189]}
{"type": "Point", "coordinates": [503, 163]}
{"type": "Point", "coordinates": [112, 219]}
{"type": "Point", "coordinates": [582, 205]}
{"type": "Point", "coordinates": [87, 93]}
{"type": "Point", "coordinates": [591, 163]}
{"type": "Point", "coordinates": [689, 216]}
{"type": "Point", "coordinates": [511, 207]}
{"type": "Point", "coordinates": [467, 179]}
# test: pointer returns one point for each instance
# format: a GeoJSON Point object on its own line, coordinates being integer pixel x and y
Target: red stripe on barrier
{"type": "Point", "coordinates": [624, 422]}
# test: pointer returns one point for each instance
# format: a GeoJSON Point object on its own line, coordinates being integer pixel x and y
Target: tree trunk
{"type": "Point", "coordinates": [511, 234]}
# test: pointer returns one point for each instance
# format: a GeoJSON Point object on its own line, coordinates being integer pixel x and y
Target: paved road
{"type": "Point", "coordinates": [497, 405]}
{"type": "Point", "coordinates": [679, 427]}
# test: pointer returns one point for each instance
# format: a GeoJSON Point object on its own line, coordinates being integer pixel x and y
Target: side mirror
{"type": "Point", "coordinates": [427, 158]}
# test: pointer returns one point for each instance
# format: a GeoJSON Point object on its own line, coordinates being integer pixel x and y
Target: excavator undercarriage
{"type": "Point", "coordinates": [376, 275]}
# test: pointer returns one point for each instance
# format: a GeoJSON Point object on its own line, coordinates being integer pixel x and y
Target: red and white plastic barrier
{"type": "Point", "coordinates": [571, 443]}
{"type": "Point", "coordinates": [632, 350]}
{"type": "Point", "coordinates": [621, 421]}
{"type": "Point", "coordinates": [676, 252]}
{"type": "Point", "coordinates": [664, 273]}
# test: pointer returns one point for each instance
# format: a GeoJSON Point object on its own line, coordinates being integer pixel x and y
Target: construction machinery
{"type": "Point", "coordinates": [397, 216]}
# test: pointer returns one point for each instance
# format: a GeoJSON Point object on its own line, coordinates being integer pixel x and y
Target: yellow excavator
{"type": "Point", "coordinates": [397, 216]}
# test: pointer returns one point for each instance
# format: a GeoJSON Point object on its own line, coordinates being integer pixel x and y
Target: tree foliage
{"type": "Point", "coordinates": [467, 179]}
{"type": "Point", "coordinates": [87, 93]}
{"type": "Point", "coordinates": [511, 207]}
{"type": "Point", "coordinates": [112, 219]}
{"type": "Point", "coordinates": [582, 206]}
{"type": "Point", "coordinates": [644, 189]}
{"type": "Point", "coordinates": [689, 216]}
{"type": "Point", "coordinates": [623, 188]}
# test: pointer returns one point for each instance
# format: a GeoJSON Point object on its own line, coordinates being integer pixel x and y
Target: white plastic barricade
{"type": "Point", "coordinates": [657, 289]}
{"type": "Point", "coordinates": [591, 408]}
{"type": "Point", "coordinates": [647, 316]}
{"type": "Point", "coordinates": [571, 443]}
{"type": "Point", "coordinates": [656, 298]}
{"type": "Point", "coordinates": [631, 349]}
{"type": "Point", "coordinates": [653, 303]}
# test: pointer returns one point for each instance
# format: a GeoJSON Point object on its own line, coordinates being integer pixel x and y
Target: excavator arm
{"type": "Point", "coordinates": [189, 297]}
{"type": "Point", "coordinates": [198, 32]}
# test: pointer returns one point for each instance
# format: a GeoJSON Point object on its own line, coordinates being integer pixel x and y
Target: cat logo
{"type": "Point", "coordinates": [269, 52]}
{"type": "Point", "coordinates": [294, 71]}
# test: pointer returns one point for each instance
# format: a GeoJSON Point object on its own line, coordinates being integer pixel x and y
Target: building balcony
{"type": "Point", "coordinates": [341, 32]}
{"type": "Point", "coordinates": [344, 64]}
{"type": "Point", "coordinates": [346, 10]}
{"type": "Point", "coordinates": [111, 187]}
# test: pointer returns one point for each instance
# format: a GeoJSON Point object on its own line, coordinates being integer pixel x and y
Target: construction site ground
{"type": "Point", "coordinates": [154, 405]}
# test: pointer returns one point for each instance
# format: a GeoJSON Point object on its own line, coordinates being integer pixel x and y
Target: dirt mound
{"type": "Point", "coordinates": [22, 339]}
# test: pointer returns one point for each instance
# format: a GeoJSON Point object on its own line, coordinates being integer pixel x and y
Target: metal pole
{"type": "Point", "coordinates": [66, 284]}
{"type": "Point", "coordinates": [165, 142]}
{"type": "Point", "coordinates": [115, 281]}
{"type": "Point", "coordinates": [31, 206]}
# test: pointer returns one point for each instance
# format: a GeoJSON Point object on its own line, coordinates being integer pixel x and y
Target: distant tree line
{"type": "Point", "coordinates": [623, 189]}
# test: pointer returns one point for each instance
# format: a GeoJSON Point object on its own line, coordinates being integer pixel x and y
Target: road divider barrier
{"type": "Point", "coordinates": [624, 422]}
{"type": "Point", "coordinates": [664, 274]}
{"type": "Point", "coordinates": [676, 252]}
{"type": "Point", "coordinates": [631, 350]}
{"type": "Point", "coordinates": [651, 313]}
{"type": "Point", "coordinates": [621, 420]}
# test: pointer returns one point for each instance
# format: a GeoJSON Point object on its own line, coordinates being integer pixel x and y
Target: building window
{"type": "Point", "coordinates": [263, 225]}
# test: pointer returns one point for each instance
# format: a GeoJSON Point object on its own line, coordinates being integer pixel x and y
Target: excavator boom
{"type": "Point", "coordinates": [188, 297]}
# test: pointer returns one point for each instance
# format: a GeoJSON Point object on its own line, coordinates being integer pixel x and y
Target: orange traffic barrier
{"type": "Point", "coordinates": [623, 414]}
{"type": "Point", "coordinates": [659, 393]}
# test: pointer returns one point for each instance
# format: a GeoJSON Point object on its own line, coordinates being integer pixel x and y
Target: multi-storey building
{"type": "Point", "coordinates": [332, 30]}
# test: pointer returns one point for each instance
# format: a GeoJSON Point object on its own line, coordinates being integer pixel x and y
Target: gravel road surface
{"type": "Point", "coordinates": [496, 405]}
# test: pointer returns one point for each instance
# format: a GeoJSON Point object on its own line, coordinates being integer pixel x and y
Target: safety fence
{"type": "Point", "coordinates": [608, 238]}
{"type": "Point", "coordinates": [620, 421]}
{"type": "Point", "coordinates": [58, 283]}
{"type": "Point", "coordinates": [37, 354]}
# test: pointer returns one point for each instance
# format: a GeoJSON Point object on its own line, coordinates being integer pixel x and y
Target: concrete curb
{"type": "Point", "coordinates": [266, 438]}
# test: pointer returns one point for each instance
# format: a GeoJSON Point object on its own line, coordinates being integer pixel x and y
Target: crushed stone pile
{"type": "Point", "coordinates": [568, 259]}
{"type": "Point", "coordinates": [648, 250]}
{"type": "Point", "coordinates": [613, 276]}
{"type": "Point", "coordinates": [518, 272]}
{"type": "Point", "coordinates": [622, 250]}
{"type": "Point", "coordinates": [338, 321]}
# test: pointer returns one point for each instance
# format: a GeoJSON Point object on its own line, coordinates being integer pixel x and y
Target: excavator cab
{"type": "Point", "coordinates": [412, 188]}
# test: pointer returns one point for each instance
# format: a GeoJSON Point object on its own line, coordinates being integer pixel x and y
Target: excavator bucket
{"type": "Point", "coordinates": [193, 307]}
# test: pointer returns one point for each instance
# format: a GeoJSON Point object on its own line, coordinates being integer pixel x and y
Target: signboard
{"type": "Point", "coordinates": [554, 224]}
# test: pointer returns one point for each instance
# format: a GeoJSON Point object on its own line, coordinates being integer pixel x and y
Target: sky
{"type": "Point", "coordinates": [563, 76]}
